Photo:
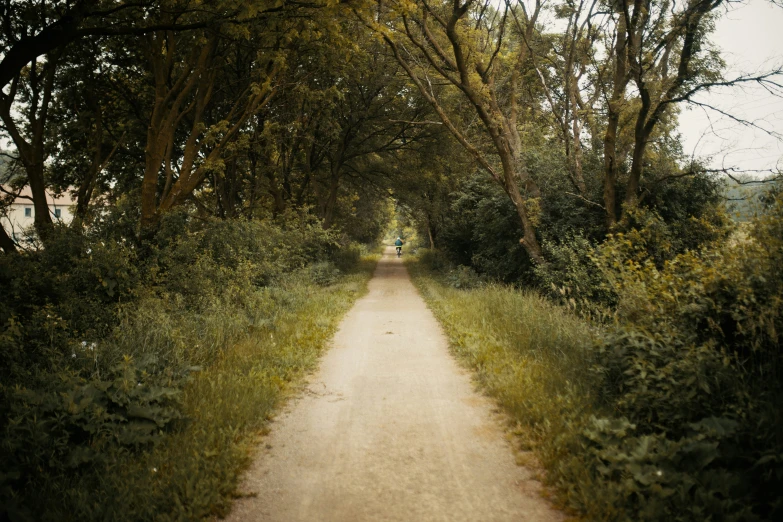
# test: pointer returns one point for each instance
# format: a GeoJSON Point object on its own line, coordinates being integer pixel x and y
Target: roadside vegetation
{"type": "Point", "coordinates": [660, 401]}
{"type": "Point", "coordinates": [225, 159]}
{"type": "Point", "coordinates": [133, 388]}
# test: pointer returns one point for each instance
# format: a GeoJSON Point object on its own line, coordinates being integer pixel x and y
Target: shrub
{"type": "Point", "coordinates": [659, 477]}
{"type": "Point", "coordinates": [697, 344]}
{"type": "Point", "coordinates": [103, 339]}
{"type": "Point", "coordinates": [464, 277]}
{"type": "Point", "coordinates": [433, 260]}
{"type": "Point", "coordinates": [55, 298]}
{"type": "Point", "coordinates": [71, 419]}
{"type": "Point", "coordinates": [323, 273]}
{"type": "Point", "coordinates": [571, 275]}
{"type": "Point", "coordinates": [347, 257]}
{"type": "Point", "coordinates": [482, 231]}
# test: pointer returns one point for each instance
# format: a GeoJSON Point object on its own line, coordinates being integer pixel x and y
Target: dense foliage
{"type": "Point", "coordinates": [100, 345]}
{"type": "Point", "coordinates": [693, 371]}
{"type": "Point", "coordinates": [673, 412]}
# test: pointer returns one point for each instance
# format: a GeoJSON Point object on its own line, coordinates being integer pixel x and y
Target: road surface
{"type": "Point", "coordinates": [389, 429]}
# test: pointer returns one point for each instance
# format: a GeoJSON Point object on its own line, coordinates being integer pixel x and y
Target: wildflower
{"type": "Point", "coordinates": [659, 473]}
{"type": "Point", "coordinates": [73, 356]}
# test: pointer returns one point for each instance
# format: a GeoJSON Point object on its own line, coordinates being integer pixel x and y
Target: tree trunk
{"type": "Point", "coordinates": [32, 153]}
{"type": "Point", "coordinates": [610, 168]}
{"type": "Point", "coordinates": [171, 92]}
{"type": "Point", "coordinates": [653, 104]}
{"type": "Point", "coordinates": [279, 202]}
{"type": "Point", "coordinates": [331, 200]}
{"type": "Point", "coordinates": [6, 243]}
{"type": "Point", "coordinates": [87, 186]}
{"type": "Point", "coordinates": [621, 80]}
{"type": "Point", "coordinates": [529, 240]}
{"type": "Point", "coordinates": [513, 170]}
{"type": "Point", "coordinates": [153, 158]}
{"type": "Point", "coordinates": [578, 172]}
{"type": "Point", "coordinates": [334, 181]}
{"type": "Point", "coordinates": [637, 167]}
{"type": "Point", "coordinates": [43, 218]}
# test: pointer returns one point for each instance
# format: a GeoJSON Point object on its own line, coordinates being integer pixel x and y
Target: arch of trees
{"type": "Point", "coordinates": [224, 152]}
{"type": "Point", "coordinates": [243, 109]}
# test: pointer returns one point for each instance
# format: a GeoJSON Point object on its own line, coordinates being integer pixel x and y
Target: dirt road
{"type": "Point", "coordinates": [390, 428]}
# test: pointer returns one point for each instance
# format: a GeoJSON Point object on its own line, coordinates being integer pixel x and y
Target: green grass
{"type": "Point", "coordinates": [193, 473]}
{"type": "Point", "coordinates": [531, 356]}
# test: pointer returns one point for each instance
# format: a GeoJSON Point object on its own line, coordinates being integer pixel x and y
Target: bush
{"type": "Point", "coordinates": [69, 422]}
{"type": "Point", "coordinates": [433, 260]}
{"type": "Point", "coordinates": [659, 477]}
{"type": "Point", "coordinates": [674, 413]}
{"type": "Point", "coordinates": [347, 257]}
{"type": "Point", "coordinates": [483, 231]}
{"type": "Point", "coordinates": [464, 277]}
{"type": "Point", "coordinates": [571, 275]}
{"type": "Point", "coordinates": [323, 273]}
{"type": "Point", "coordinates": [54, 299]}
{"type": "Point", "coordinates": [104, 340]}
{"type": "Point", "coordinates": [697, 345]}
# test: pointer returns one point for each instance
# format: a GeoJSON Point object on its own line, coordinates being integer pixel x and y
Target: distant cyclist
{"type": "Point", "coordinates": [399, 244]}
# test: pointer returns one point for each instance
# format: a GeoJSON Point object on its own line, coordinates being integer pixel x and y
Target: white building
{"type": "Point", "coordinates": [19, 219]}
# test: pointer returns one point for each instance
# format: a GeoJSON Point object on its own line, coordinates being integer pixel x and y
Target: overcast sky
{"type": "Point", "coordinates": [751, 37]}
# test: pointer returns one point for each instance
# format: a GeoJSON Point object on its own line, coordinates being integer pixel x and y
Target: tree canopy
{"type": "Point", "coordinates": [238, 109]}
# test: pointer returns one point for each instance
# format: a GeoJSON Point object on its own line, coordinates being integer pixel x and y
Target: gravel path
{"type": "Point", "coordinates": [390, 428]}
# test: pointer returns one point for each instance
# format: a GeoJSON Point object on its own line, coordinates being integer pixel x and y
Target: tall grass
{"type": "Point", "coordinates": [194, 473]}
{"type": "Point", "coordinates": [669, 413]}
{"type": "Point", "coordinates": [532, 356]}
{"type": "Point", "coordinates": [250, 357]}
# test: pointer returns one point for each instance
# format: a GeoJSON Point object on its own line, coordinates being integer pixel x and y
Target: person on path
{"type": "Point", "coordinates": [399, 244]}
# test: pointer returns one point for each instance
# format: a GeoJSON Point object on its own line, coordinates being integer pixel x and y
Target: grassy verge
{"type": "Point", "coordinates": [532, 357]}
{"type": "Point", "coordinates": [194, 472]}
{"type": "Point", "coordinates": [669, 412]}
{"type": "Point", "coordinates": [673, 411]}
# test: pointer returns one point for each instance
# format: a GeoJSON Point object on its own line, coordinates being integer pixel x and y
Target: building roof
{"type": "Point", "coordinates": [25, 197]}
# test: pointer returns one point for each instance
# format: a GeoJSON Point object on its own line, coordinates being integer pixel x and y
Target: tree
{"type": "Point", "coordinates": [427, 176]}
{"type": "Point", "coordinates": [338, 127]}
{"type": "Point", "coordinates": [34, 86]}
{"type": "Point", "coordinates": [184, 84]}
{"type": "Point", "coordinates": [662, 48]}
{"type": "Point", "coordinates": [34, 36]}
{"type": "Point", "coordinates": [468, 45]}
{"type": "Point", "coordinates": [88, 127]}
